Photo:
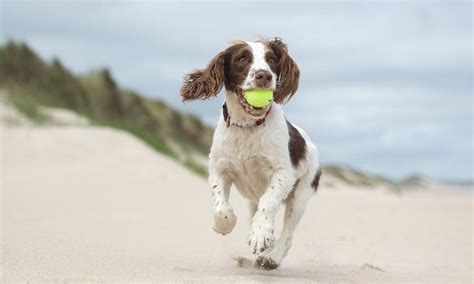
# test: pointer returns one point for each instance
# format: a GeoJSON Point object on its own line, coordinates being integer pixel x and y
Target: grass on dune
{"type": "Point", "coordinates": [28, 106]}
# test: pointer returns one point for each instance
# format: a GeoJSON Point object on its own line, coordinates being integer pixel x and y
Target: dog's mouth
{"type": "Point", "coordinates": [251, 110]}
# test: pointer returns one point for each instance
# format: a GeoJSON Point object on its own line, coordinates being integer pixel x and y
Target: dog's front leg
{"type": "Point", "coordinates": [223, 216]}
{"type": "Point", "coordinates": [261, 236]}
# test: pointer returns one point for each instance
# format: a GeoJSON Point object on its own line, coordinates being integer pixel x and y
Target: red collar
{"type": "Point", "coordinates": [225, 112]}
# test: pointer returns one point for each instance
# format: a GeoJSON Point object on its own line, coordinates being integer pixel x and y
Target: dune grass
{"type": "Point", "coordinates": [28, 106]}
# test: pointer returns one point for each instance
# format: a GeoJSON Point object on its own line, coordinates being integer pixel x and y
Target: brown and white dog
{"type": "Point", "coordinates": [269, 160]}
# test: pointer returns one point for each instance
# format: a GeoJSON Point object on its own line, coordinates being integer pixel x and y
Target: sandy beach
{"type": "Point", "coordinates": [92, 204]}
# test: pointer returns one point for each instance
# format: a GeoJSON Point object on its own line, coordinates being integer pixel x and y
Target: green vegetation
{"type": "Point", "coordinates": [29, 108]}
{"type": "Point", "coordinates": [195, 167]}
{"type": "Point", "coordinates": [31, 83]}
{"type": "Point", "coordinates": [354, 177]}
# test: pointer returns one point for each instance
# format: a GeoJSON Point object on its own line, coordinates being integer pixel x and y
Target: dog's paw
{"type": "Point", "coordinates": [266, 263]}
{"type": "Point", "coordinates": [224, 219]}
{"type": "Point", "coordinates": [261, 240]}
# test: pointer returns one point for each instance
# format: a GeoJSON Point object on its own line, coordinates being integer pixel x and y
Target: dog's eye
{"type": "Point", "coordinates": [242, 59]}
{"type": "Point", "coordinates": [272, 60]}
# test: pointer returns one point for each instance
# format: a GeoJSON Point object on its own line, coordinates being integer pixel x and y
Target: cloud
{"type": "Point", "coordinates": [386, 87]}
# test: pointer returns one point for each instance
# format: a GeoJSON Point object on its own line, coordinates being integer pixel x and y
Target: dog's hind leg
{"type": "Point", "coordinates": [296, 204]}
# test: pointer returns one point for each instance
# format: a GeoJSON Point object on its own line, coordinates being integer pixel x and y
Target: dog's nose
{"type": "Point", "coordinates": [263, 78]}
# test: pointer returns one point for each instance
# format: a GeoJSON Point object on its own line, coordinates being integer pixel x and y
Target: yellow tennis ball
{"type": "Point", "coordinates": [259, 98]}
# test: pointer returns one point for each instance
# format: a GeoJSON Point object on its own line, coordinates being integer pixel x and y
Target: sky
{"type": "Point", "coordinates": [385, 87]}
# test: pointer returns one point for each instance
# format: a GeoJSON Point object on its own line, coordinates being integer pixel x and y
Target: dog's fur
{"type": "Point", "coordinates": [269, 160]}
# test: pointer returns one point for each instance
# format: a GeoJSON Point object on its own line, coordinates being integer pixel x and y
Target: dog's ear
{"type": "Point", "coordinates": [202, 84]}
{"type": "Point", "coordinates": [288, 75]}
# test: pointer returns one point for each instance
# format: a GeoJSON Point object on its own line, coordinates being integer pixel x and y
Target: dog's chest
{"type": "Point", "coordinates": [249, 160]}
{"type": "Point", "coordinates": [251, 176]}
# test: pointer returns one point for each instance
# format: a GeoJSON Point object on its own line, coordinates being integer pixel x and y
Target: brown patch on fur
{"type": "Point", "coordinates": [237, 65]}
{"type": "Point", "coordinates": [201, 84]}
{"type": "Point", "coordinates": [315, 182]}
{"type": "Point", "coordinates": [229, 68]}
{"type": "Point", "coordinates": [287, 70]}
{"type": "Point", "coordinates": [296, 145]}
{"type": "Point", "coordinates": [266, 263]}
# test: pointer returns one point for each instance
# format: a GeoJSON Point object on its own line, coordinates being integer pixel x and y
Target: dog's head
{"type": "Point", "coordinates": [244, 66]}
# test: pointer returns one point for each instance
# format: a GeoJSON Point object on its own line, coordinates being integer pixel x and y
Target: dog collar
{"type": "Point", "coordinates": [228, 123]}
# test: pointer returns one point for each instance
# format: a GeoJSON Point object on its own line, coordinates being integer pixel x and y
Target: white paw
{"type": "Point", "coordinates": [224, 219]}
{"type": "Point", "coordinates": [261, 240]}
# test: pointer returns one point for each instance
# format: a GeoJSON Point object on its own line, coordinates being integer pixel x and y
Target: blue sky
{"type": "Point", "coordinates": [386, 86]}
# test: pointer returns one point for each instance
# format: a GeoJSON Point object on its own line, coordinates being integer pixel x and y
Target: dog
{"type": "Point", "coordinates": [269, 160]}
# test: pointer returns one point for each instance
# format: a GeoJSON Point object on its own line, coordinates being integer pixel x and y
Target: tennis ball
{"type": "Point", "coordinates": [259, 98]}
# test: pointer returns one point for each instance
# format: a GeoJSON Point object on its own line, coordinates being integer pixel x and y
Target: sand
{"type": "Point", "coordinates": [91, 204]}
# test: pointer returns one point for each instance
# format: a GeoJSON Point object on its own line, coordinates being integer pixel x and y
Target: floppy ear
{"type": "Point", "coordinates": [289, 74]}
{"type": "Point", "coordinates": [202, 84]}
